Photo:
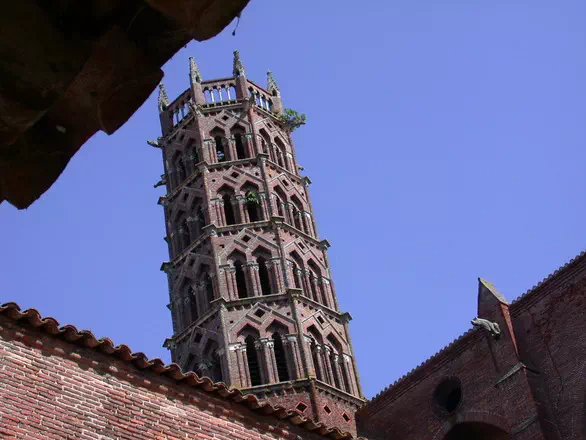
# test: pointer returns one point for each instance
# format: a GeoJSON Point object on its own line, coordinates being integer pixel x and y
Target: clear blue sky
{"type": "Point", "coordinates": [445, 141]}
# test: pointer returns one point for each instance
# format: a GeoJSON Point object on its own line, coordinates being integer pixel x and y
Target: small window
{"type": "Point", "coordinates": [448, 395]}
{"type": "Point", "coordinates": [345, 417]}
{"type": "Point", "coordinates": [260, 313]}
{"type": "Point", "coordinates": [327, 409]}
{"type": "Point", "coordinates": [301, 407]}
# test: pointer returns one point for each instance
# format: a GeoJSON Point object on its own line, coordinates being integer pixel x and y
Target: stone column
{"type": "Point", "coordinates": [229, 148]}
{"type": "Point", "coordinates": [267, 363]}
{"type": "Point", "coordinates": [293, 357]}
{"type": "Point", "coordinates": [317, 349]}
{"type": "Point", "coordinates": [306, 280]}
{"type": "Point", "coordinates": [253, 279]}
{"type": "Point", "coordinates": [338, 371]}
{"type": "Point", "coordinates": [307, 222]}
{"type": "Point", "coordinates": [231, 282]}
{"type": "Point", "coordinates": [347, 366]}
{"type": "Point", "coordinates": [326, 353]}
{"type": "Point", "coordinates": [327, 291]}
{"type": "Point", "coordinates": [220, 214]}
{"type": "Point", "coordinates": [264, 206]}
{"type": "Point", "coordinates": [315, 283]}
{"type": "Point", "coordinates": [239, 351]}
{"type": "Point", "coordinates": [274, 269]}
{"type": "Point", "coordinates": [291, 215]}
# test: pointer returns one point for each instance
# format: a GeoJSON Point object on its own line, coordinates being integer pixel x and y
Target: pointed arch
{"type": "Point", "coordinates": [314, 346]}
{"type": "Point", "coordinates": [281, 199]}
{"type": "Point", "coordinates": [238, 261]}
{"type": "Point", "coordinates": [281, 153]}
{"type": "Point", "coordinates": [297, 213]}
{"type": "Point", "coordinates": [239, 134]}
{"type": "Point", "coordinates": [226, 194]}
{"type": "Point", "coordinates": [252, 204]}
{"type": "Point", "coordinates": [265, 141]}
{"type": "Point", "coordinates": [317, 287]}
{"type": "Point", "coordinates": [185, 234]}
{"type": "Point", "coordinates": [219, 137]}
{"type": "Point", "coordinates": [280, 357]}
{"type": "Point", "coordinates": [297, 267]}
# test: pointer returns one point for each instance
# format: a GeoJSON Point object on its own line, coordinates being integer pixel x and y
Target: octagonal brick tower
{"type": "Point", "coordinates": [251, 295]}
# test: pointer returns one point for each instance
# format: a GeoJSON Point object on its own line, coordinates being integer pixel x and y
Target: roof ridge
{"type": "Point", "coordinates": [550, 276]}
{"type": "Point", "coordinates": [403, 377]}
{"type": "Point", "coordinates": [122, 352]}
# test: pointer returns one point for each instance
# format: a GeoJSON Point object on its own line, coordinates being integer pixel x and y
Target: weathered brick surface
{"type": "Point", "coordinates": [528, 384]}
{"type": "Point", "coordinates": [51, 389]}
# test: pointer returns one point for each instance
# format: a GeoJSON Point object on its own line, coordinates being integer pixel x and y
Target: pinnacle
{"type": "Point", "coordinates": [492, 289]}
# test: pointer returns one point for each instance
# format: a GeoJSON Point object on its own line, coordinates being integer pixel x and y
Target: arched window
{"type": "Point", "coordinates": [281, 202]}
{"type": "Point", "coordinates": [232, 91]}
{"type": "Point", "coordinates": [240, 280]}
{"type": "Point", "coordinates": [201, 217]}
{"type": "Point", "coordinates": [185, 234]}
{"type": "Point", "coordinates": [180, 170]}
{"type": "Point", "coordinates": [191, 150]}
{"type": "Point", "coordinates": [228, 210]}
{"type": "Point", "coordinates": [209, 288]}
{"type": "Point", "coordinates": [281, 153]}
{"type": "Point", "coordinates": [281, 358]}
{"type": "Point", "coordinates": [318, 289]}
{"type": "Point", "coordinates": [316, 341]}
{"type": "Point", "coordinates": [240, 149]}
{"type": "Point", "coordinates": [253, 206]}
{"type": "Point", "coordinates": [297, 213]}
{"type": "Point", "coordinates": [253, 365]}
{"type": "Point", "coordinates": [263, 274]}
{"type": "Point", "coordinates": [220, 151]}
{"type": "Point", "coordinates": [296, 276]}
{"type": "Point", "coordinates": [336, 353]}
{"type": "Point", "coordinates": [193, 304]}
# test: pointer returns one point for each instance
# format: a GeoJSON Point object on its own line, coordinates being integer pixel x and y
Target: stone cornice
{"type": "Point", "coordinates": [297, 294]}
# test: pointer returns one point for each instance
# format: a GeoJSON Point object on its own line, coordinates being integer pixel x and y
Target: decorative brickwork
{"type": "Point", "coordinates": [526, 382]}
{"type": "Point", "coordinates": [251, 295]}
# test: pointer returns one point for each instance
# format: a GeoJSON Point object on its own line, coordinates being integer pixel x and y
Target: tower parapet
{"type": "Point", "coordinates": [251, 294]}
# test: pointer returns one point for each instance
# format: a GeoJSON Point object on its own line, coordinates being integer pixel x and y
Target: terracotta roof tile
{"type": "Point", "coordinates": [86, 338]}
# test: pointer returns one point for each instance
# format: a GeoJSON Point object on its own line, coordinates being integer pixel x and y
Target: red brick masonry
{"type": "Point", "coordinates": [527, 383]}
{"type": "Point", "coordinates": [61, 383]}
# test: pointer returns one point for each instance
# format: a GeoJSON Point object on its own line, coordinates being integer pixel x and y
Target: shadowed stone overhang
{"type": "Point", "coordinates": [70, 68]}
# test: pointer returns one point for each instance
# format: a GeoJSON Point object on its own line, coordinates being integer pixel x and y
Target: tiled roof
{"type": "Point", "coordinates": [85, 338]}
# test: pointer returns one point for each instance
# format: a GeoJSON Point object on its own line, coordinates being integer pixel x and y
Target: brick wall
{"type": "Point", "coordinates": [53, 389]}
{"type": "Point", "coordinates": [528, 384]}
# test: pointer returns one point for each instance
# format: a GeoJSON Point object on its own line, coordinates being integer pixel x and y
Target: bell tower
{"type": "Point", "coordinates": [250, 290]}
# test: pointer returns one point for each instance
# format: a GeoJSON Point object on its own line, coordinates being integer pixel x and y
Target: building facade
{"type": "Point", "coordinates": [251, 295]}
{"type": "Point", "coordinates": [519, 373]}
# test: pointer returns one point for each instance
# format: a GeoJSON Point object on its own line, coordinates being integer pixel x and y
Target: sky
{"type": "Point", "coordinates": [445, 141]}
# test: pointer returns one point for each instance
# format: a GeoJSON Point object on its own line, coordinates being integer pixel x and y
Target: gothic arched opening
{"type": "Point", "coordinates": [240, 280]}
{"type": "Point", "coordinates": [263, 274]}
{"type": "Point", "coordinates": [185, 234]}
{"type": "Point", "coordinates": [281, 358]}
{"type": "Point", "coordinates": [181, 172]}
{"type": "Point", "coordinates": [252, 360]}
{"type": "Point", "coordinates": [228, 209]}
{"type": "Point", "coordinates": [193, 304]}
{"type": "Point", "coordinates": [253, 207]}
